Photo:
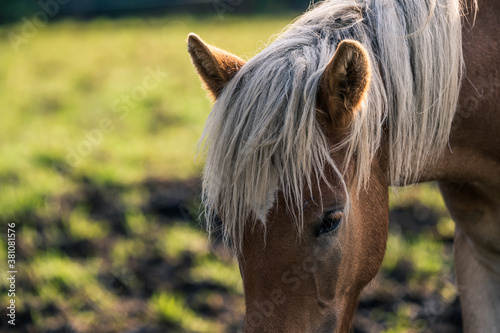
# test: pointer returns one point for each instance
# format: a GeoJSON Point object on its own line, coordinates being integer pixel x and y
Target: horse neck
{"type": "Point", "coordinates": [474, 148]}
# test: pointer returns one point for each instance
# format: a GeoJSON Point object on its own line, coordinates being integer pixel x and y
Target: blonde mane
{"type": "Point", "coordinates": [262, 135]}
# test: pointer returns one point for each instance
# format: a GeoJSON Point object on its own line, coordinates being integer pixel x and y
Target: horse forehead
{"type": "Point", "coordinates": [271, 194]}
{"type": "Point", "coordinates": [324, 192]}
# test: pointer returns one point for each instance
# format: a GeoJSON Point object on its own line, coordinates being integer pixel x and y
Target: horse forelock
{"type": "Point", "coordinates": [263, 136]}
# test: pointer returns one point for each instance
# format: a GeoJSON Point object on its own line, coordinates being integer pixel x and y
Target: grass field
{"type": "Point", "coordinates": [100, 122]}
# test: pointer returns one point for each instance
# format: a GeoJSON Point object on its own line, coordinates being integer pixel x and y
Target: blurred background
{"type": "Point", "coordinates": [101, 111]}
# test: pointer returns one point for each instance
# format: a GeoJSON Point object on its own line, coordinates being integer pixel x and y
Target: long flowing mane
{"type": "Point", "coordinates": [262, 135]}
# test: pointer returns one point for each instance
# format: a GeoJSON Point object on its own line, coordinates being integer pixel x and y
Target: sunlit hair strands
{"type": "Point", "coordinates": [263, 135]}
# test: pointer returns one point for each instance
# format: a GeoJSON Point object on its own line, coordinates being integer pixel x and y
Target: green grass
{"type": "Point", "coordinates": [81, 227]}
{"type": "Point", "coordinates": [426, 194]}
{"type": "Point", "coordinates": [69, 142]}
{"type": "Point", "coordinates": [172, 309]}
{"type": "Point", "coordinates": [174, 240]}
{"type": "Point", "coordinates": [57, 91]}
{"type": "Point", "coordinates": [214, 270]}
{"type": "Point", "coordinates": [78, 118]}
{"type": "Point", "coordinates": [426, 255]}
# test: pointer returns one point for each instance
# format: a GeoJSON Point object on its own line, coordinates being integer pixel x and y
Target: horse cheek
{"type": "Point", "coordinates": [291, 280]}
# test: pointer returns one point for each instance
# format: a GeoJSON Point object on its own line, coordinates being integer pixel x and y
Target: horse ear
{"type": "Point", "coordinates": [345, 82]}
{"type": "Point", "coordinates": [215, 66]}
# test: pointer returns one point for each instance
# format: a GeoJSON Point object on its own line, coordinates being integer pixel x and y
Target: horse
{"type": "Point", "coordinates": [305, 139]}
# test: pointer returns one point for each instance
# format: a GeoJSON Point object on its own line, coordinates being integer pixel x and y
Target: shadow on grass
{"type": "Point", "coordinates": [116, 258]}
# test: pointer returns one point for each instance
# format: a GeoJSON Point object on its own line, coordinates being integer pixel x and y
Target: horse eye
{"type": "Point", "coordinates": [330, 221]}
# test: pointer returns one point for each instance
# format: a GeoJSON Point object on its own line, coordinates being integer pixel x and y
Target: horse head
{"type": "Point", "coordinates": [307, 276]}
